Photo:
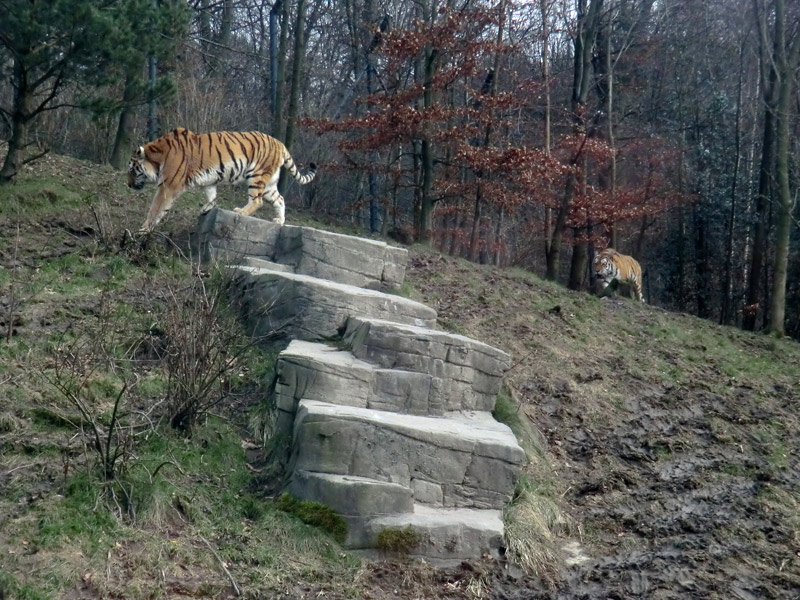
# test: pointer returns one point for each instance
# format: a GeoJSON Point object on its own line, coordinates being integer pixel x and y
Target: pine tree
{"type": "Point", "coordinates": [50, 46]}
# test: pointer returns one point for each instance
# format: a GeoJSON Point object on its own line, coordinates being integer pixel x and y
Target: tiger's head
{"type": "Point", "coordinates": [605, 270]}
{"type": "Point", "coordinates": [141, 170]}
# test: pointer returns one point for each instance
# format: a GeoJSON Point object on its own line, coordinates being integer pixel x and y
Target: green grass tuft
{"type": "Point", "coordinates": [10, 589]}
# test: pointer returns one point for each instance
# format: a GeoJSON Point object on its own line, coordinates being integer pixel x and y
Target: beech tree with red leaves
{"type": "Point", "coordinates": [439, 118]}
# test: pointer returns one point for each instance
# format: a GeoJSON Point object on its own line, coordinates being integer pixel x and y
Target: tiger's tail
{"type": "Point", "coordinates": [288, 164]}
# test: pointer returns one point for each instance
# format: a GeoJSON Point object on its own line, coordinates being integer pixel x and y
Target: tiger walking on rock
{"type": "Point", "coordinates": [184, 159]}
{"type": "Point", "coordinates": [610, 265]}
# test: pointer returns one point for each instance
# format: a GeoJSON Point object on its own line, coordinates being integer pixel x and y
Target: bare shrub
{"type": "Point", "coordinates": [204, 346]}
{"type": "Point", "coordinates": [93, 382]}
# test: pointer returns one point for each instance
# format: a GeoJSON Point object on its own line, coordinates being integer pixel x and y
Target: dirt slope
{"type": "Point", "coordinates": [675, 443]}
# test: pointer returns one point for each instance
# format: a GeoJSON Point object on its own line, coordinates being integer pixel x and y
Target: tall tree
{"type": "Point", "coordinates": [785, 56]}
{"type": "Point", "coordinates": [298, 68]}
{"type": "Point", "coordinates": [586, 28]}
{"type": "Point", "coordinates": [147, 30]}
{"type": "Point", "coordinates": [50, 45]}
{"type": "Point", "coordinates": [278, 123]}
{"type": "Point", "coordinates": [779, 47]}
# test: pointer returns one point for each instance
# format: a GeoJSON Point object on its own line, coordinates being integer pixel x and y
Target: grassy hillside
{"type": "Point", "coordinates": [664, 449]}
{"type": "Point", "coordinates": [671, 444]}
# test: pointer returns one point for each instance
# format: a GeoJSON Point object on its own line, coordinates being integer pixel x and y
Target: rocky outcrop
{"type": "Point", "coordinates": [389, 419]}
{"type": "Point", "coordinates": [236, 239]}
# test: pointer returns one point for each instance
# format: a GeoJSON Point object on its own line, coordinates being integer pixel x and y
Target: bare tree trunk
{"type": "Point", "coordinates": [20, 119]}
{"type": "Point", "coordinates": [580, 250]}
{"type": "Point", "coordinates": [298, 66]}
{"type": "Point", "coordinates": [681, 266]}
{"type": "Point", "coordinates": [727, 292]}
{"type": "Point", "coordinates": [762, 225]}
{"type": "Point", "coordinates": [786, 60]}
{"type": "Point", "coordinates": [498, 246]}
{"type": "Point", "coordinates": [225, 27]}
{"type": "Point", "coordinates": [429, 65]}
{"type": "Point", "coordinates": [374, 156]}
{"type": "Point", "coordinates": [474, 246]}
{"type": "Point", "coordinates": [580, 258]}
{"type": "Point", "coordinates": [544, 8]}
{"type": "Point", "coordinates": [701, 262]}
{"type": "Point", "coordinates": [607, 85]}
{"type": "Point", "coordinates": [587, 27]}
{"type": "Point", "coordinates": [274, 17]}
{"type": "Point", "coordinates": [278, 125]}
{"type": "Point", "coordinates": [123, 141]}
{"type": "Point", "coordinates": [770, 92]}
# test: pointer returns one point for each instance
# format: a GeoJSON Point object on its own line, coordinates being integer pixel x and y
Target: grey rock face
{"type": "Point", "coordinates": [313, 371]}
{"type": "Point", "coordinates": [390, 426]}
{"type": "Point", "coordinates": [468, 374]}
{"type": "Point", "coordinates": [444, 534]}
{"type": "Point", "coordinates": [474, 461]}
{"type": "Point", "coordinates": [231, 238]}
{"type": "Point", "coordinates": [291, 306]}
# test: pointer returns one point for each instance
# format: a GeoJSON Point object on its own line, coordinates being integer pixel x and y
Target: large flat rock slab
{"type": "Point", "coordinates": [443, 534]}
{"type": "Point", "coordinates": [229, 237]}
{"type": "Point", "coordinates": [467, 462]}
{"type": "Point", "coordinates": [468, 374]}
{"type": "Point", "coordinates": [314, 371]}
{"type": "Point", "coordinates": [351, 497]}
{"type": "Point", "coordinates": [279, 305]}
{"type": "Point", "coordinates": [370, 507]}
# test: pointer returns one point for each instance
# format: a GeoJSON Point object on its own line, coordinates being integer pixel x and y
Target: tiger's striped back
{"type": "Point", "coordinates": [610, 265]}
{"type": "Point", "coordinates": [184, 159]}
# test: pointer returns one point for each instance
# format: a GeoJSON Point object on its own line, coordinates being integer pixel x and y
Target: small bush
{"type": "Point", "coordinates": [205, 349]}
{"type": "Point", "coordinates": [398, 541]}
{"type": "Point", "coordinates": [316, 514]}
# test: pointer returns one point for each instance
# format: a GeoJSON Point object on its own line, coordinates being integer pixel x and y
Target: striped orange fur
{"type": "Point", "coordinates": [184, 159]}
{"type": "Point", "coordinates": [610, 265]}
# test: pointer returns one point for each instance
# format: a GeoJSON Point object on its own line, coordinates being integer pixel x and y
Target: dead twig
{"type": "Point", "coordinates": [236, 590]}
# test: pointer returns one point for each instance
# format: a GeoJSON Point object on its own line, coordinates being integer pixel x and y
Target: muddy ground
{"type": "Point", "coordinates": [682, 469]}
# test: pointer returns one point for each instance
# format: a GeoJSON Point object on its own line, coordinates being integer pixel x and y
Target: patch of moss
{"type": "Point", "coordinates": [398, 541]}
{"type": "Point", "coordinates": [315, 514]}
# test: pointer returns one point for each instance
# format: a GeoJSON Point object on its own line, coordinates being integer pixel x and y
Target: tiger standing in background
{"type": "Point", "coordinates": [181, 159]}
{"type": "Point", "coordinates": [610, 265]}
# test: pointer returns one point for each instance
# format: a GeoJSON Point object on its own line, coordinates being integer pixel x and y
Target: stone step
{"type": "Point", "coordinates": [261, 263]}
{"type": "Point", "coordinates": [444, 535]}
{"type": "Point", "coordinates": [287, 305]}
{"type": "Point", "coordinates": [350, 496]}
{"type": "Point", "coordinates": [370, 507]}
{"type": "Point", "coordinates": [467, 460]}
{"type": "Point", "coordinates": [227, 236]}
{"type": "Point", "coordinates": [467, 374]}
{"type": "Point", "coordinates": [313, 371]}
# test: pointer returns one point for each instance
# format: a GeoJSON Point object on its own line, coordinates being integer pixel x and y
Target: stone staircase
{"type": "Point", "coordinates": [389, 419]}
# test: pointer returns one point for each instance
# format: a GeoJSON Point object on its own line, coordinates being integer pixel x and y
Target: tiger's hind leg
{"type": "Point", "coordinates": [256, 193]}
{"type": "Point", "coordinates": [274, 197]}
{"type": "Point", "coordinates": [636, 289]}
{"type": "Point", "coordinates": [279, 206]}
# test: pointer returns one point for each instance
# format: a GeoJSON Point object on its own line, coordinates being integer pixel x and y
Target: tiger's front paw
{"type": "Point", "coordinates": [240, 211]}
{"type": "Point", "coordinates": [279, 221]}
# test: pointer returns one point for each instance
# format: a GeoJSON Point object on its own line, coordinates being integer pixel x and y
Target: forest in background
{"type": "Point", "coordinates": [511, 133]}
